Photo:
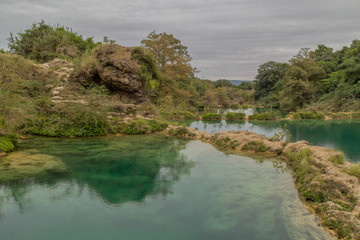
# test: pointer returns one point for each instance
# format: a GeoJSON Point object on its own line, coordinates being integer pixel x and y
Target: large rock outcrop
{"type": "Point", "coordinates": [116, 68]}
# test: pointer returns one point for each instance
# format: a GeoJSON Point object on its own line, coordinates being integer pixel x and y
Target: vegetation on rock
{"type": "Point", "coordinates": [211, 116]}
{"type": "Point", "coordinates": [234, 116]}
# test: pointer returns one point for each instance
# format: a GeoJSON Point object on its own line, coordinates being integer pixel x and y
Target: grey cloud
{"type": "Point", "coordinates": [226, 38]}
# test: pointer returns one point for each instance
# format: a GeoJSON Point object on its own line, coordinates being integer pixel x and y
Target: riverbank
{"type": "Point", "coordinates": [324, 180]}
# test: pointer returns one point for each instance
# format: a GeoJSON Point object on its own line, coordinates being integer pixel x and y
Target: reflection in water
{"type": "Point", "coordinates": [117, 171]}
{"type": "Point", "coordinates": [152, 187]}
{"type": "Point", "coordinates": [343, 135]}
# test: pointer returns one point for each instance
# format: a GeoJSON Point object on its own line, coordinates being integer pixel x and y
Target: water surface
{"type": "Point", "coordinates": [343, 135]}
{"type": "Point", "coordinates": [153, 187]}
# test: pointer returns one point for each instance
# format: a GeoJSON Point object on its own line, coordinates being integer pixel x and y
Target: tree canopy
{"type": "Point", "coordinates": [172, 57]}
{"type": "Point", "coordinates": [313, 78]}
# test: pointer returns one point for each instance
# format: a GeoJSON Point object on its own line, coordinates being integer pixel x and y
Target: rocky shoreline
{"type": "Point", "coordinates": [321, 175]}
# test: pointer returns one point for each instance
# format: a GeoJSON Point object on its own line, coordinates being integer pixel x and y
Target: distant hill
{"type": "Point", "coordinates": [237, 82]}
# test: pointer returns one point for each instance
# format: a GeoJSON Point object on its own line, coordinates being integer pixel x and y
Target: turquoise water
{"type": "Point", "coordinates": [153, 187]}
{"type": "Point", "coordinates": [343, 135]}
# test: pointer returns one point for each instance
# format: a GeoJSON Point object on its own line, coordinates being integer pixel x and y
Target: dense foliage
{"type": "Point", "coordinates": [320, 79]}
{"type": "Point", "coordinates": [43, 42]}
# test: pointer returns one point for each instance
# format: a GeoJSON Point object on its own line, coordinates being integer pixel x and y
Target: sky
{"type": "Point", "coordinates": [227, 38]}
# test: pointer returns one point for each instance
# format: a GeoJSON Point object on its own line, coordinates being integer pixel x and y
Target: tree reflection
{"type": "Point", "coordinates": [118, 170]}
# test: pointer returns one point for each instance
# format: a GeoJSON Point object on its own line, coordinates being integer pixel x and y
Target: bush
{"type": "Point", "coordinates": [234, 106]}
{"type": "Point", "coordinates": [43, 43]}
{"type": "Point", "coordinates": [234, 116]}
{"type": "Point", "coordinates": [211, 116]}
{"type": "Point", "coordinates": [137, 126]}
{"type": "Point", "coordinates": [180, 131]}
{"type": "Point", "coordinates": [265, 116]}
{"type": "Point", "coordinates": [141, 126]}
{"type": "Point", "coordinates": [256, 146]}
{"type": "Point", "coordinates": [307, 115]}
{"type": "Point", "coordinates": [7, 143]}
{"type": "Point", "coordinates": [71, 120]}
{"type": "Point", "coordinates": [336, 160]}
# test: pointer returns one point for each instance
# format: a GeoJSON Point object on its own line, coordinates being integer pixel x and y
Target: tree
{"type": "Point", "coordinates": [269, 74]}
{"type": "Point", "coordinates": [222, 83]}
{"type": "Point", "coordinates": [246, 85]}
{"type": "Point", "coordinates": [172, 57]}
{"type": "Point", "coordinates": [301, 81]}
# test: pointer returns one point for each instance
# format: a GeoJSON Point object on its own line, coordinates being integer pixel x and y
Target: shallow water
{"type": "Point", "coordinates": [343, 135]}
{"type": "Point", "coordinates": [153, 187]}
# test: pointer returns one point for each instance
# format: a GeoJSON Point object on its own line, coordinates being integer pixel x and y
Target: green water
{"type": "Point", "coordinates": [337, 134]}
{"type": "Point", "coordinates": [153, 187]}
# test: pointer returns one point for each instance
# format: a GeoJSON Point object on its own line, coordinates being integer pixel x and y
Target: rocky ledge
{"type": "Point", "coordinates": [327, 183]}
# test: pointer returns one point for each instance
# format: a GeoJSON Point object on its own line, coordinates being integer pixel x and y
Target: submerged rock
{"type": "Point", "coordinates": [29, 164]}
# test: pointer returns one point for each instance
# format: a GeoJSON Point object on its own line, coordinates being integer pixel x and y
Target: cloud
{"type": "Point", "coordinates": [226, 38]}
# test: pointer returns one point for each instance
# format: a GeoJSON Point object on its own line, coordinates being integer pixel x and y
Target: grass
{"type": "Point", "coordinates": [336, 160]}
{"type": "Point", "coordinates": [139, 126]}
{"type": "Point", "coordinates": [355, 170]}
{"type": "Point", "coordinates": [178, 115]}
{"type": "Point", "coordinates": [256, 146]}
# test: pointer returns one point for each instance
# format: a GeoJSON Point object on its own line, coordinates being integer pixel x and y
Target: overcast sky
{"type": "Point", "coordinates": [226, 38]}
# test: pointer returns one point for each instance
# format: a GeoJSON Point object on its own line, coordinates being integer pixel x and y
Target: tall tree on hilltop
{"type": "Point", "coordinates": [172, 57]}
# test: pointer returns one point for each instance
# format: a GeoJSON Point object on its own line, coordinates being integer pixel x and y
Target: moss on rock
{"type": "Point", "coordinates": [29, 164]}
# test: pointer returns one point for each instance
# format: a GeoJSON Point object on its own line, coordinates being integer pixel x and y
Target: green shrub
{"type": "Point", "coordinates": [211, 116]}
{"type": "Point", "coordinates": [43, 43]}
{"type": "Point", "coordinates": [226, 143]}
{"type": "Point", "coordinates": [307, 115]}
{"type": "Point", "coordinates": [71, 120]}
{"type": "Point", "coordinates": [138, 126]}
{"type": "Point", "coordinates": [336, 160]}
{"type": "Point", "coordinates": [179, 131]}
{"type": "Point", "coordinates": [157, 126]}
{"type": "Point", "coordinates": [256, 146]}
{"type": "Point", "coordinates": [281, 134]}
{"type": "Point", "coordinates": [234, 116]}
{"type": "Point", "coordinates": [234, 106]}
{"type": "Point", "coordinates": [265, 116]}
{"type": "Point", "coordinates": [178, 115]}
{"type": "Point", "coordinates": [355, 170]}
{"type": "Point", "coordinates": [142, 126]}
{"type": "Point", "coordinates": [7, 143]}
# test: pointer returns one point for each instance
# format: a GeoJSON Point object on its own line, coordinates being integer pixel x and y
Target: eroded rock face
{"type": "Point", "coordinates": [113, 66]}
